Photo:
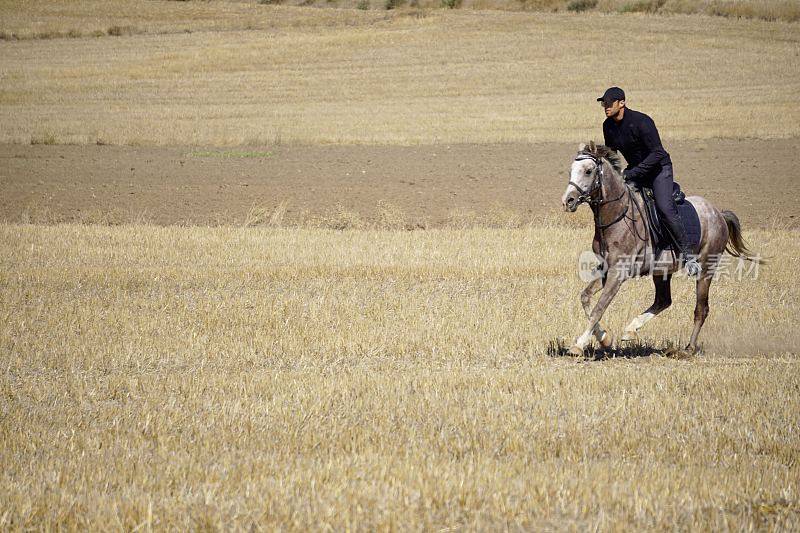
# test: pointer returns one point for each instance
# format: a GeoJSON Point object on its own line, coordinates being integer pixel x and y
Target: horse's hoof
{"type": "Point", "coordinates": [575, 351]}
{"type": "Point", "coordinates": [629, 336]}
{"type": "Point", "coordinates": [675, 353]}
{"type": "Point", "coordinates": [606, 341]}
{"type": "Point", "coordinates": [691, 350]}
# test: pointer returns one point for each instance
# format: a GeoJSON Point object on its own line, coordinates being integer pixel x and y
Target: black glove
{"type": "Point", "coordinates": [626, 175]}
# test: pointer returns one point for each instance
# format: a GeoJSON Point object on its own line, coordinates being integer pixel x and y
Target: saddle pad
{"type": "Point", "coordinates": [691, 223]}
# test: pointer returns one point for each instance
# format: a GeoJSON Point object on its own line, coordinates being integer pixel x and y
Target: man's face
{"type": "Point", "coordinates": [612, 108]}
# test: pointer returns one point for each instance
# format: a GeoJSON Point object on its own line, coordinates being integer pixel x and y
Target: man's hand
{"type": "Point", "coordinates": [626, 175]}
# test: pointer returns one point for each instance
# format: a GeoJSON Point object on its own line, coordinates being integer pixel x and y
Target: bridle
{"type": "Point", "coordinates": [588, 195]}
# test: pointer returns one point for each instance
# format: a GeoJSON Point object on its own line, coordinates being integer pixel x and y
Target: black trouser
{"type": "Point", "coordinates": [662, 191]}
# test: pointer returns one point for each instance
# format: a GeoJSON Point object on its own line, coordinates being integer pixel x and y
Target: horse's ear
{"type": "Point", "coordinates": [581, 147]}
{"type": "Point", "coordinates": [592, 147]}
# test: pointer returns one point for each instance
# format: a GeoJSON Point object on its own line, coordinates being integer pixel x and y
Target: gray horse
{"type": "Point", "coordinates": [622, 240]}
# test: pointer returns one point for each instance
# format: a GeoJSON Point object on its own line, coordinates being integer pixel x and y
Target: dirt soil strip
{"type": "Point", "coordinates": [428, 184]}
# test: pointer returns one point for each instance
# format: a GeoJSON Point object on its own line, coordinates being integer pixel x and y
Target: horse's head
{"type": "Point", "coordinates": [584, 178]}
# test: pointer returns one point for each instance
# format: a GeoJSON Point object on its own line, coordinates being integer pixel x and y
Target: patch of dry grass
{"type": "Point", "coordinates": [300, 378]}
{"type": "Point", "coordinates": [787, 10]}
{"type": "Point", "coordinates": [49, 19]}
{"type": "Point", "coordinates": [337, 76]}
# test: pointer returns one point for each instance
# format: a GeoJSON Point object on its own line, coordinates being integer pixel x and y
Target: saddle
{"type": "Point", "coordinates": [660, 234]}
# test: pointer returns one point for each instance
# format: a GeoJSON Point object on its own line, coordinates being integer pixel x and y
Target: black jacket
{"type": "Point", "coordinates": [637, 138]}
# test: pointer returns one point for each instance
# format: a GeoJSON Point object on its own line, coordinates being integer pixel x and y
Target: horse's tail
{"type": "Point", "coordinates": [735, 245]}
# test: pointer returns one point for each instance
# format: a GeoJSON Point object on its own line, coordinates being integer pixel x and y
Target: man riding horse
{"type": "Point", "coordinates": [635, 135]}
{"type": "Point", "coordinates": [621, 225]}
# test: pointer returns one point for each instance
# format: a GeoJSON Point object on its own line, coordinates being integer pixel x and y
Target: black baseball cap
{"type": "Point", "coordinates": [612, 94]}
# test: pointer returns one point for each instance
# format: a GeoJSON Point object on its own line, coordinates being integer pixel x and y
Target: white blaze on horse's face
{"type": "Point", "coordinates": [582, 175]}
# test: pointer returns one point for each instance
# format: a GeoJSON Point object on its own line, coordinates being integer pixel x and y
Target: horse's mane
{"type": "Point", "coordinates": [601, 150]}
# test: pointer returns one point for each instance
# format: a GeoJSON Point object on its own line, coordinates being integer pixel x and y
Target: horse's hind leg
{"type": "Point", "coordinates": [700, 309]}
{"type": "Point", "coordinates": [662, 301]}
{"type": "Point", "coordinates": [602, 336]}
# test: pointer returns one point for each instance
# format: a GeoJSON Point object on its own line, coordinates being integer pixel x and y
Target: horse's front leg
{"type": "Point", "coordinates": [613, 283]}
{"type": "Point", "coordinates": [602, 336]}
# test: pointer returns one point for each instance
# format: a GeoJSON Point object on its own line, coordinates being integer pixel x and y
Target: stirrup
{"type": "Point", "coordinates": [693, 268]}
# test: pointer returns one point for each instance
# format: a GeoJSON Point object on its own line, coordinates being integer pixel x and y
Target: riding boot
{"type": "Point", "coordinates": [686, 254]}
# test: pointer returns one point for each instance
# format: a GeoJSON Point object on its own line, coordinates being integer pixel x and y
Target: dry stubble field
{"type": "Point", "coordinates": [166, 377]}
{"type": "Point", "coordinates": [229, 377]}
{"type": "Point", "coordinates": [399, 77]}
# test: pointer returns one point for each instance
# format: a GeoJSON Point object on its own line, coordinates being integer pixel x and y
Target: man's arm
{"type": "Point", "coordinates": [649, 136]}
{"type": "Point", "coordinates": [607, 140]}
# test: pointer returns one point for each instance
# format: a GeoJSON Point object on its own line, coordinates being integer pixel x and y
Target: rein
{"type": "Point", "coordinates": [597, 201]}
{"type": "Point", "coordinates": [593, 195]}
